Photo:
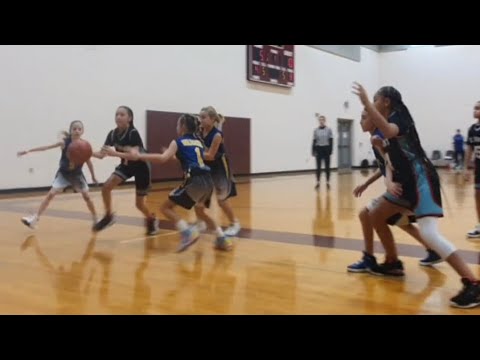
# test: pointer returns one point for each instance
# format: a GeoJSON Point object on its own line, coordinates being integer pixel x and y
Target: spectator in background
{"type": "Point", "coordinates": [458, 143]}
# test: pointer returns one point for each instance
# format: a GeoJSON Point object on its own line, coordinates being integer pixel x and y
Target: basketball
{"type": "Point", "coordinates": [79, 152]}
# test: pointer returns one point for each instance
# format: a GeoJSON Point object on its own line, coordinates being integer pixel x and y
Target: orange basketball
{"type": "Point", "coordinates": [79, 152]}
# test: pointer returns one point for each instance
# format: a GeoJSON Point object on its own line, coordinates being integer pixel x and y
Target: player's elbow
{"type": "Point", "coordinates": [156, 159]}
{"type": "Point", "coordinates": [390, 132]}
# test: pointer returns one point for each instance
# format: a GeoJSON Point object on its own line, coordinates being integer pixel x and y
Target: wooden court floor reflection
{"type": "Point", "coordinates": [290, 257]}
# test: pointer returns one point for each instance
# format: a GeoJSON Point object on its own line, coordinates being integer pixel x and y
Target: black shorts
{"type": "Point", "coordinates": [196, 190]}
{"type": "Point", "coordinates": [401, 220]}
{"type": "Point", "coordinates": [477, 177]}
{"type": "Point", "coordinates": [142, 173]}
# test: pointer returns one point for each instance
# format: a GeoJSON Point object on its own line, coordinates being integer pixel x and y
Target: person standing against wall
{"type": "Point", "coordinates": [322, 148]}
{"type": "Point", "coordinates": [473, 154]}
{"type": "Point", "coordinates": [459, 147]}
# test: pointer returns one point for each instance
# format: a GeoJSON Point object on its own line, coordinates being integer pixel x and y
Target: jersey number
{"type": "Point", "coordinates": [199, 157]}
{"type": "Point", "coordinates": [477, 152]}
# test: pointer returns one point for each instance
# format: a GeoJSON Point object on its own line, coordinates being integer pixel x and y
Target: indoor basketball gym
{"type": "Point", "coordinates": [296, 239]}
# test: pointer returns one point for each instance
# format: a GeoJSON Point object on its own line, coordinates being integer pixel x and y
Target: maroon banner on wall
{"type": "Point", "coordinates": [162, 129]}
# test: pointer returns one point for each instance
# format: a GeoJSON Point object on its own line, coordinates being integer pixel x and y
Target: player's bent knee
{"type": "Point", "coordinates": [432, 237]}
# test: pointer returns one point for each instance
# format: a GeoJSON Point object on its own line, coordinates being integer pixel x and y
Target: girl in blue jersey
{"type": "Point", "coordinates": [67, 175]}
{"type": "Point", "coordinates": [197, 187]}
{"type": "Point", "coordinates": [420, 185]}
{"type": "Point", "coordinates": [217, 160]}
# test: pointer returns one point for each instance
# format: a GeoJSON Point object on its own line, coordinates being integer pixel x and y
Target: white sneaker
{"type": "Point", "coordinates": [233, 230]}
{"type": "Point", "coordinates": [201, 226]}
{"type": "Point", "coordinates": [30, 221]}
{"type": "Point", "coordinates": [474, 233]}
{"type": "Point", "coordinates": [188, 238]}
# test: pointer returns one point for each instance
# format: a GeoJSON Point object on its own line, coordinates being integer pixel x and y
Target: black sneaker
{"type": "Point", "coordinates": [107, 220]}
{"type": "Point", "coordinates": [151, 225]}
{"type": "Point", "coordinates": [431, 259]}
{"type": "Point", "coordinates": [468, 297]}
{"type": "Point", "coordinates": [388, 269]}
{"type": "Point", "coordinates": [474, 234]}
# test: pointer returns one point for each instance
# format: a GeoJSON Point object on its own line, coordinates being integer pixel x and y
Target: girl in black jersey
{"type": "Point", "coordinates": [216, 158]}
{"type": "Point", "coordinates": [122, 139]}
{"type": "Point", "coordinates": [473, 150]}
{"type": "Point", "coordinates": [408, 165]}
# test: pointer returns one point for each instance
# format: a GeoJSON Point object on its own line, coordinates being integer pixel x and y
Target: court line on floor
{"type": "Point", "coordinates": [329, 242]}
{"type": "Point", "coordinates": [142, 238]}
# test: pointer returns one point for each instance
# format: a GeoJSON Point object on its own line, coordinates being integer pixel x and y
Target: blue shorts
{"type": "Point", "coordinates": [423, 196]}
{"type": "Point", "coordinates": [400, 219]}
{"type": "Point", "coordinates": [76, 181]}
{"type": "Point", "coordinates": [196, 190]}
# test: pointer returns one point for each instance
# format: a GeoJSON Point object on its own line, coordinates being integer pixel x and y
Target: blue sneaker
{"type": "Point", "coordinates": [189, 237]}
{"type": "Point", "coordinates": [368, 261]}
{"type": "Point", "coordinates": [223, 243]}
{"type": "Point", "coordinates": [431, 259]}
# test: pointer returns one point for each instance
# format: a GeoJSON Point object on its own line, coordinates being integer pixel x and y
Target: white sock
{"type": "Point", "coordinates": [182, 225]}
{"type": "Point", "coordinates": [219, 232]}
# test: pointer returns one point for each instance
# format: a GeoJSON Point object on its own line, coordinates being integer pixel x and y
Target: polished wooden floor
{"type": "Point", "coordinates": [290, 258]}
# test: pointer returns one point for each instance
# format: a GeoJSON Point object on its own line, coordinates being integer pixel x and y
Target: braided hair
{"type": "Point", "coordinates": [398, 106]}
